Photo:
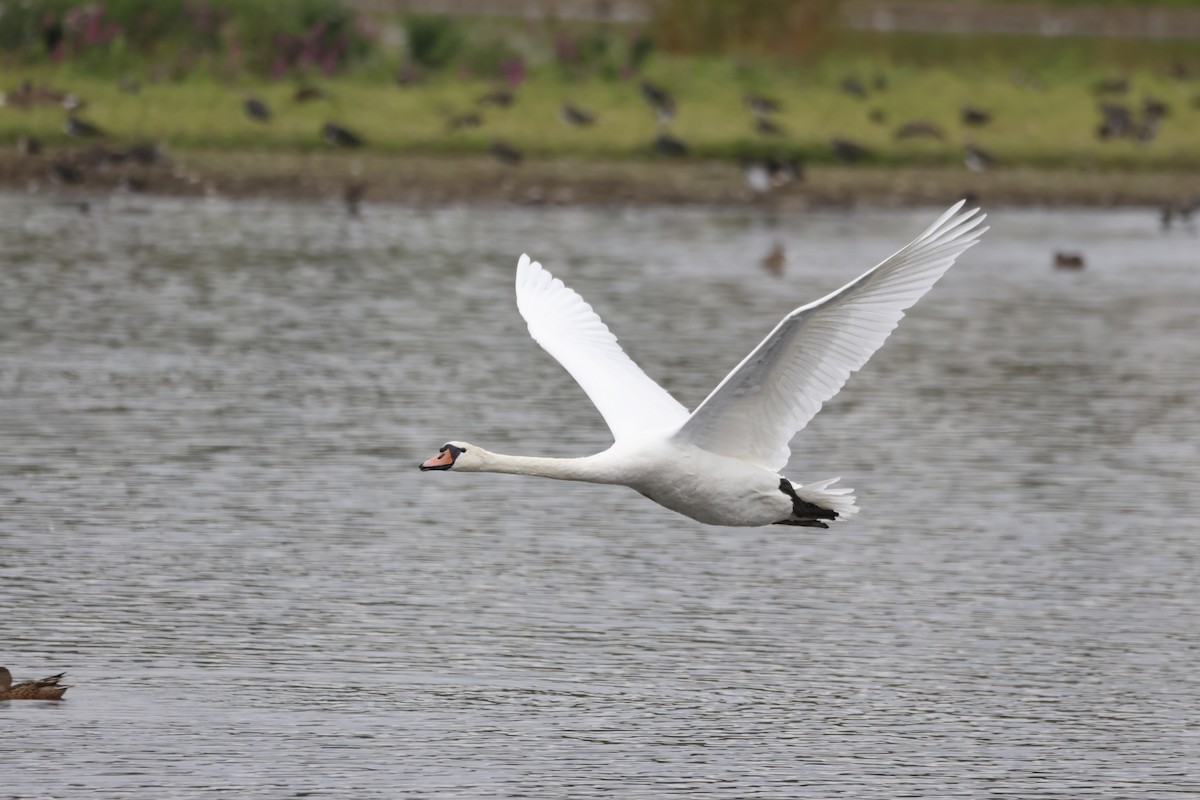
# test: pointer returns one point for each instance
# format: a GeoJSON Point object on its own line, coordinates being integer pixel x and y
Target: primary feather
{"type": "Point", "coordinates": [774, 392]}
{"type": "Point", "coordinates": [568, 329]}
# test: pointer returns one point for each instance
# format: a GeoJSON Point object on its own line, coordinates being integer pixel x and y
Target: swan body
{"type": "Point", "coordinates": [705, 486]}
{"type": "Point", "coordinates": [721, 463]}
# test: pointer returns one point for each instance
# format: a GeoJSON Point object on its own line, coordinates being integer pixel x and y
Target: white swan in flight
{"type": "Point", "coordinates": [721, 463]}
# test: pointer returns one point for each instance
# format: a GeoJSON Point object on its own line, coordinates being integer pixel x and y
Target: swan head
{"type": "Point", "coordinates": [452, 455]}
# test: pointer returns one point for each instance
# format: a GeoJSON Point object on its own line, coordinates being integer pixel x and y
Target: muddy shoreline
{"type": "Point", "coordinates": [439, 180]}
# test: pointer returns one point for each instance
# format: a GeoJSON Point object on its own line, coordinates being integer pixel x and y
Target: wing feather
{"type": "Point", "coordinates": [567, 328]}
{"type": "Point", "coordinates": [807, 358]}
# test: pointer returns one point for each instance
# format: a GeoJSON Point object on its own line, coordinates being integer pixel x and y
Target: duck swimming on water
{"type": "Point", "coordinates": [44, 689]}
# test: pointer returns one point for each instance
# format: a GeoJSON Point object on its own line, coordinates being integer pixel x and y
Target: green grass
{"type": "Point", "coordinates": [928, 78]}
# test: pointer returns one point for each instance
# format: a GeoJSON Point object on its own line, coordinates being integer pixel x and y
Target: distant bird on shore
{"type": "Point", "coordinates": [28, 95]}
{"type": "Point", "coordinates": [464, 121]}
{"type": "Point", "coordinates": [1178, 71]}
{"type": "Point", "coordinates": [145, 153]}
{"type": "Point", "coordinates": [80, 128]}
{"type": "Point", "coordinates": [500, 98]}
{"type": "Point", "coordinates": [666, 145]}
{"type": "Point", "coordinates": [660, 100]}
{"type": "Point", "coordinates": [762, 108]}
{"type": "Point", "coordinates": [339, 136]}
{"type": "Point", "coordinates": [919, 128]}
{"type": "Point", "coordinates": [976, 159]}
{"type": "Point", "coordinates": [65, 173]}
{"type": "Point", "coordinates": [853, 86]}
{"type": "Point", "coordinates": [785, 170]}
{"type": "Point", "coordinates": [768, 127]}
{"type": "Point", "coordinates": [306, 94]}
{"type": "Point", "coordinates": [1147, 130]}
{"type": "Point", "coordinates": [505, 153]}
{"type": "Point", "coordinates": [761, 105]}
{"type": "Point", "coordinates": [1115, 121]}
{"type": "Point", "coordinates": [847, 151]}
{"type": "Point", "coordinates": [29, 145]}
{"type": "Point", "coordinates": [758, 179]}
{"type": "Point", "coordinates": [256, 109]}
{"type": "Point", "coordinates": [1064, 260]}
{"type": "Point", "coordinates": [44, 689]}
{"type": "Point", "coordinates": [767, 174]}
{"type": "Point", "coordinates": [1111, 86]}
{"type": "Point", "coordinates": [575, 117]}
{"type": "Point", "coordinates": [975, 117]}
{"type": "Point", "coordinates": [408, 74]}
{"type": "Point", "coordinates": [1153, 107]}
{"type": "Point", "coordinates": [1154, 111]}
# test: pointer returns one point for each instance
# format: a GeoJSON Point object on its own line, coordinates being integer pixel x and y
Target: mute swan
{"type": "Point", "coordinates": [720, 464]}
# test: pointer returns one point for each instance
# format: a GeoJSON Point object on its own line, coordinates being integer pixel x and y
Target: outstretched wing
{"type": "Point", "coordinates": [781, 385]}
{"type": "Point", "coordinates": [568, 329]}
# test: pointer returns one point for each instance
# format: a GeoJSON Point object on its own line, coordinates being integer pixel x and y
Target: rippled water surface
{"type": "Point", "coordinates": [210, 515]}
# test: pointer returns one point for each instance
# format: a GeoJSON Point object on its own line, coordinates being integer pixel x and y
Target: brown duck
{"type": "Point", "coordinates": [45, 689]}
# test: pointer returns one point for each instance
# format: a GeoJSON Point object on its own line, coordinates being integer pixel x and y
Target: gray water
{"type": "Point", "coordinates": [211, 517]}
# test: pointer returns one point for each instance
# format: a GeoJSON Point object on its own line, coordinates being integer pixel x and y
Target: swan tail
{"type": "Point", "coordinates": [815, 505]}
{"type": "Point", "coordinates": [838, 499]}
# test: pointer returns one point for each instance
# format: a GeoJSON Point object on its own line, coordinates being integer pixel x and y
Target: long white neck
{"type": "Point", "coordinates": [589, 468]}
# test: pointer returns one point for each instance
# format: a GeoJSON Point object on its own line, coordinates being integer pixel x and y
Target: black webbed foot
{"type": "Point", "coordinates": [803, 509]}
{"type": "Point", "coordinates": [803, 523]}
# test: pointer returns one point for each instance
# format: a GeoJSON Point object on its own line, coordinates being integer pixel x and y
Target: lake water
{"type": "Point", "coordinates": [211, 517]}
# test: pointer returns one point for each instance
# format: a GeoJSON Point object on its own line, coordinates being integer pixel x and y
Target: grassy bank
{"type": "Point", "coordinates": [1039, 121]}
{"type": "Point", "coordinates": [1040, 95]}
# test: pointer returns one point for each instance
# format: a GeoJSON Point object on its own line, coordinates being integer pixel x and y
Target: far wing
{"type": "Point", "coordinates": [781, 385]}
{"type": "Point", "coordinates": [568, 329]}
